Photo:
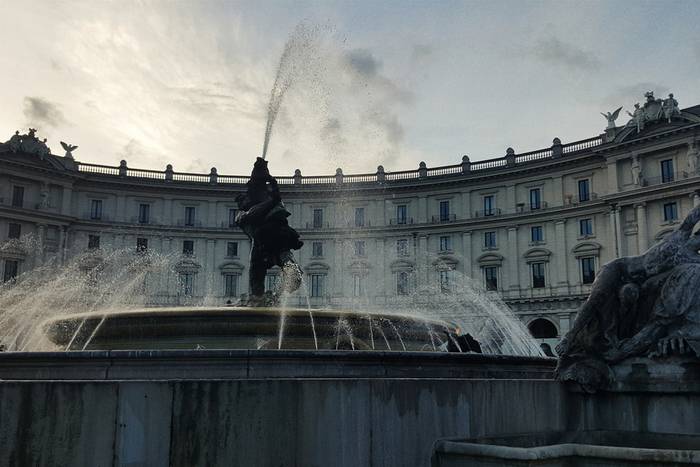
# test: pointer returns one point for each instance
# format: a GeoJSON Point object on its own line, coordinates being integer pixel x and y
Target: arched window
{"type": "Point", "coordinates": [541, 328]}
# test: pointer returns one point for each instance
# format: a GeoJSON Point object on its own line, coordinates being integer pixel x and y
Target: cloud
{"type": "Point", "coordinates": [39, 111]}
{"type": "Point", "coordinates": [557, 52]}
{"type": "Point", "coordinates": [363, 62]}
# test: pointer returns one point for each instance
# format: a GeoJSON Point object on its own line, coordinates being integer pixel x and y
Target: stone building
{"type": "Point", "coordinates": [533, 227]}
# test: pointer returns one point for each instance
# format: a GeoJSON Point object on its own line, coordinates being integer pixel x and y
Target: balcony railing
{"type": "Point", "coordinates": [380, 177]}
{"type": "Point", "coordinates": [444, 218]}
{"type": "Point", "coordinates": [488, 212]}
{"type": "Point", "coordinates": [669, 178]}
{"type": "Point", "coordinates": [401, 221]}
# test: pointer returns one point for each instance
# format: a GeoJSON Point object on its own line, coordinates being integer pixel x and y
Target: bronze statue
{"type": "Point", "coordinates": [263, 218]}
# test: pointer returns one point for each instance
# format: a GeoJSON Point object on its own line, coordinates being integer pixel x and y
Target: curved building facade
{"type": "Point", "coordinates": [532, 227]}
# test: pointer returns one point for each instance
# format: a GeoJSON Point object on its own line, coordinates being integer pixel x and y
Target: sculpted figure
{"type": "Point", "coordinates": [263, 218]}
{"type": "Point", "coordinates": [670, 107]}
{"type": "Point", "coordinates": [69, 148]}
{"type": "Point", "coordinates": [15, 142]}
{"type": "Point", "coordinates": [637, 117]}
{"type": "Point", "coordinates": [611, 117]}
{"type": "Point", "coordinates": [632, 304]}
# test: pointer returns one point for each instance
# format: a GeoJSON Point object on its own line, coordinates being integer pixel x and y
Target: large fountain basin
{"type": "Point", "coordinates": [246, 328]}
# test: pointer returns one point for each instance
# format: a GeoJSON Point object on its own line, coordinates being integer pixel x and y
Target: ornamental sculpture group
{"type": "Point", "coordinates": [653, 110]}
{"type": "Point", "coordinates": [639, 306]}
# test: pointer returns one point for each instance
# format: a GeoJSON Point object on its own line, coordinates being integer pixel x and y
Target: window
{"type": "Point", "coordinates": [445, 277]}
{"type": "Point", "coordinates": [359, 248]}
{"type": "Point", "coordinates": [359, 217]}
{"type": "Point", "coordinates": [585, 227]}
{"type": "Point", "coordinates": [667, 174]}
{"type": "Point", "coordinates": [584, 192]}
{"type": "Point", "coordinates": [17, 196]}
{"type": "Point", "coordinates": [14, 230]}
{"type": "Point", "coordinates": [444, 211]}
{"type": "Point", "coordinates": [189, 215]}
{"type": "Point", "coordinates": [587, 270]}
{"type": "Point", "coordinates": [188, 247]}
{"type": "Point", "coordinates": [489, 239]}
{"type": "Point", "coordinates": [272, 282]}
{"type": "Point", "coordinates": [11, 270]}
{"type": "Point", "coordinates": [402, 247]}
{"type": "Point", "coordinates": [491, 277]}
{"type": "Point", "coordinates": [232, 213]}
{"type": "Point", "coordinates": [535, 198]}
{"type": "Point", "coordinates": [231, 285]}
{"type": "Point", "coordinates": [317, 285]}
{"type": "Point", "coordinates": [232, 249]}
{"type": "Point", "coordinates": [186, 283]}
{"type": "Point", "coordinates": [144, 213]}
{"type": "Point", "coordinates": [445, 243]}
{"type": "Point", "coordinates": [141, 245]}
{"type": "Point", "coordinates": [357, 286]}
{"type": "Point", "coordinates": [670, 212]}
{"type": "Point", "coordinates": [318, 218]}
{"type": "Point", "coordinates": [402, 283]}
{"type": "Point", "coordinates": [489, 205]}
{"type": "Point", "coordinates": [93, 241]}
{"type": "Point", "coordinates": [96, 209]}
{"type": "Point", "coordinates": [317, 249]}
{"type": "Point", "coordinates": [537, 275]}
{"type": "Point", "coordinates": [401, 213]}
{"type": "Point", "coordinates": [536, 234]}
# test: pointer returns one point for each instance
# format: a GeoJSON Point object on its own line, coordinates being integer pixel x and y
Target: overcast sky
{"type": "Point", "coordinates": [391, 83]}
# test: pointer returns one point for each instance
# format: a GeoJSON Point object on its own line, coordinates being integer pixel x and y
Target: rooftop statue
{"type": "Point", "coordinates": [653, 111]}
{"type": "Point", "coordinates": [611, 117]}
{"type": "Point", "coordinates": [29, 144]}
{"type": "Point", "coordinates": [646, 305]}
{"type": "Point", "coordinates": [263, 218]}
{"type": "Point", "coordinates": [69, 148]}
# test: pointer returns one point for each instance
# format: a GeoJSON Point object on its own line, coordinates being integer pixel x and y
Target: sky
{"type": "Point", "coordinates": [368, 82]}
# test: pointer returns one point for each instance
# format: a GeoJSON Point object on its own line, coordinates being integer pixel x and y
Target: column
{"type": "Point", "coordinates": [61, 254]}
{"type": "Point", "coordinates": [422, 210]}
{"type": "Point", "coordinates": [211, 214]}
{"type": "Point", "coordinates": [422, 263]}
{"type": "Point", "coordinates": [168, 212]}
{"type": "Point", "coordinates": [337, 268]}
{"type": "Point", "coordinates": [120, 209]}
{"type": "Point", "coordinates": [642, 231]}
{"type": "Point", "coordinates": [557, 192]}
{"type": "Point", "coordinates": [612, 177]}
{"type": "Point", "coordinates": [467, 254]}
{"type": "Point", "coordinates": [618, 231]}
{"type": "Point", "coordinates": [612, 216]}
{"type": "Point", "coordinates": [66, 200]}
{"type": "Point", "coordinates": [209, 270]}
{"type": "Point", "coordinates": [513, 276]}
{"type": "Point", "coordinates": [41, 256]}
{"type": "Point", "coordinates": [466, 205]}
{"type": "Point", "coordinates": [510, 199]}
{"type": "Point", "coordinates": [560, 256]}
{"type": "Point", "coordinates": [381, 280]}
{"type": "Point", "coordinates": [388, 213]}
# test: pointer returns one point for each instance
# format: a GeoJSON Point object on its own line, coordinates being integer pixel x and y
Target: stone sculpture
{"type": "Point", "coordinates": [611, 117]}
{"type": "Point", "coordinates": [69, 148]}
{"type": "Point", "coordinates": [653, 110]}
{"type": "Point", "coordinates": [646, 305]}
{"type": "Point", "coordinates": [263, 217]}
{"type": "Point", "coordinates": [637, 117]}
{"type": "Point", "coordinates": [29, 144]}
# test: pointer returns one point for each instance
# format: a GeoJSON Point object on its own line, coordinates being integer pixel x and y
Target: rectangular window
{"type": "Point", "coordinates": [402, 283]}
{"type": "Point", "coordinates": [491, 277]}
{"type": "Point", "coordinates": [445, 243]}
{"type": "Point", "coordinates": [535, 198]}
{"type": "Point", "coordinates": [588, 270]}
{"type": "Point", "coordinates": [186, 283]}
{"type": "Point", "coordinates": [96, 209]}
{"type": "Point", "coordinates": [444, 211]}
{"type": "Point", "coordinates": [667, 174]}
{"type": "Point", "coordinates": [359, 217]}
{"type": "Point", "coordinates": [402, 247]}
{"type": "Point", "coordinates": [489, 239]}
{"type": "Point", "coordinates": [232, 213]}
{"type": "Point", "coordinates": [231, 285]}
{"type": "Point", "coordinates": [188, 247]}
{"type": "Point", "coordinates": [537, 275]}
{"type": "Point", "coordinates": [489, 205]}
{"type": "Point", "coordinates": [357, 286]}
{"type": "Point", "coordinates": [401, 213]}
{"type": "Point", "coordinates": [144, 213]}
{"type": "Point", "coordinates": [17, 196]}
{"type": "Point", "coordinates": [14, 231]}
{"type": "Point", "coordinates": [317, 285]}
{"type": "Point", "coordinates": [272, 282]}
{"type": "Point", "coordinates": [445, 281]}
{"type": "Point", "coordinates": [585, 227]}
{"type": "Point", "coordinates": [189, 215]}
{"type": "Point", "coordinates": [93, 241]}
{"type": "Point", "coordinates": [317, 249]}
{"type": "Point", "coordinates": [318, 218]}
{"type": "Point", "coordinates": [584, 192]}
{"type": "Point", "coordinates": [536, 234]}
{"type": "Point", "coordinates": [141, 245]}
{"type": "Point", "coordinates": [359, 248]}
{"type": "Point", "coordinates": [670, 212]}
{"type": "Point", "coordinates": [11, 270]}
{"type": "Point", "coordinates": [232, 249]}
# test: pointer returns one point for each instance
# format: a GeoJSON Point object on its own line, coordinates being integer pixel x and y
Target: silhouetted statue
{"type": "Point", "coordinates": [263, 217]}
